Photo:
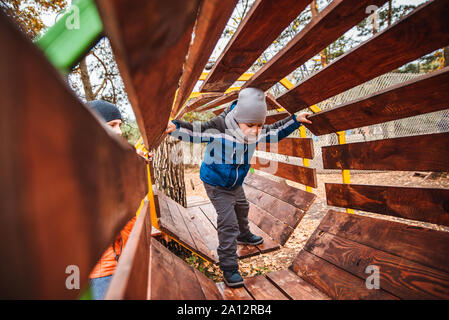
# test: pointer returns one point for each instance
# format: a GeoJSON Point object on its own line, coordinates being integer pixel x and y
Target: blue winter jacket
{"type": "Point", "coordinates": [227, 161]}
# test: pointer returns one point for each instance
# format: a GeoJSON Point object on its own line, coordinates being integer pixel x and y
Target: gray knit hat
{"type": "Point", "coordinates": [251, 106]}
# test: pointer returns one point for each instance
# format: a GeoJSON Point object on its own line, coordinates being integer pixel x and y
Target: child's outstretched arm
{"type": "Point", "coordinates": [196, 132]}
{"type": "Point", "coordinates": [283, 128]}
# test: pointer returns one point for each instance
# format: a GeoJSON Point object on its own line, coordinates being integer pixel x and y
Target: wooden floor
{"type": "Point", "coordinates": [275, 211]}
{"type": "Point", "coordinates": [182, 282]}
{"type": "Point", "coordinates": [196, 228]}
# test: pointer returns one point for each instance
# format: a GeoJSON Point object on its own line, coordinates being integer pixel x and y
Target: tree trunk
{"type": "Point", "coordinates": [169, 170]}
{"type": "Point", "coordinates": [86, 81]}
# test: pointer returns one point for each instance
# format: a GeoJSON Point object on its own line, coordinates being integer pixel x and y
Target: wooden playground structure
{"type": "Point", "coordinates": [68, 186]}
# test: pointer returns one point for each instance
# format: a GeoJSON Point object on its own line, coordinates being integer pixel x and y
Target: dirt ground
{"type": "Point", "coordinates": [283, 258]}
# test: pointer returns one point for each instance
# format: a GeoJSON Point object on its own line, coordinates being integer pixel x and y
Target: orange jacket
{"type": "Point", "coordinates": [107, 263]}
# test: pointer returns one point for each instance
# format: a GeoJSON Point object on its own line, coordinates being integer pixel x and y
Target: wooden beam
{"type": "Point", "coordinates": [212, 18]}
{"type": "Point", "coordinates": [197, 102]}
{"type": "Point", "coordinates": [425, 94]}
{"type": "Point", "coordinates": [296, 197]}
{"type": "Point", "coordinates": [334, 281]}
{"type": "Point", "coordinates": [261, 26]}
{"type": "Point", "coordinates": [150, 40]}
{"type": "Point", "coordinates": [331, 23]}
{"type": "Point", "coordinates": [387, 50]}
{"type": "Point", "coordinates": [303, 175]}
{"type": "Point", "coordinates": [68, 185]}
{"type": "Point", "coordinates": [295, 147]}
{"type": "Point", "coordinates": [423, 153]}
{"type": "Point", "coordinates": [227, 97]}
{"type": "Point", "coordinates": [422, 245]}
{"type": "Point", "coordinates": [131, 277]}
{"type": "Point", "coordinates": [428, 205]}
{"type": "Point", "coordinates": [403, 278]}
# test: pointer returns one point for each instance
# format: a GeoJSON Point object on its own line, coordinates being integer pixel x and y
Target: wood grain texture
{"type": "Point", "coordinates": [428, 205]}
{"type": "Point", "coordinates": [262, 289]}
{"type": "Point", "coordinates": [401, 277]}
{"type": "Point", "coordinates": [334, 281]}
{"type": "Point", "coordinates": [295, 147]}
{"type": "Point", "coordinates": [421, 153]}
{"type": "Point", "coordinates": [387, 50]}
{"type": "Point", "coordinates": [281, 210]}
{"type": "Point", "coordinates": [301, 199]}
{"type": "Point", "coordinates": [150, 40]}
{"type": "Point", "coordinates": [131, 277]}
{"type": "Point", "coordinates": [425, 94]}
{"type": "Point", "coordinates": [294, 287]}
{"type": "Point", "coordinates": [300, 174]}
{"type": "Point", "coordinates": [212, 18]}
{"type": "Point", "coordinates": [277, 229]}
{"type": "Point", "coordinates": [208, 286]}
{"type": "Point", "coordinates": [422, 245]}
{"type": "Point", "coordinates": [261, 26]}
{"type": "Point", "coordinates": [187, 226]}
{"type": "Point", "coordinates": [331, 23]}
{"type": "Point", "coordinates": [196, 103]}
{"type": "Point", "coordinates": [171, 277]}
{"type": "Point", "coordinates": [227, 97]}
{"type": "Point", "coordinates": [233, 293]}
{"type": "Point", "coordinates": [68, 185]}
{"type": "Point", "coordinates": [272, 118]}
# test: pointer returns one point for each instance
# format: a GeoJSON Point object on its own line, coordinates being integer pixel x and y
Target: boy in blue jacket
{"type": "Point", "coordinates": [232, 138]}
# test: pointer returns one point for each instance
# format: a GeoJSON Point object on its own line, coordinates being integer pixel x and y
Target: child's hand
{"type": "Point", "coordinates": [170, 127]}
{"type": "Point", "coordinates": [302, 117]}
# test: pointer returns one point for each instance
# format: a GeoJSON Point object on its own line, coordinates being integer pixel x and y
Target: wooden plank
{"type": "Point", "coordinates": [183, 235]}
{"type": "Point", "coordinates": [227, 97]}
{"type": "Point", "coordinates": [208, 286]}
{"type": "Point", "coordinates": [210, 213]}
{"type": "Point", "coordinates": [331, 23]}
{"type": "Point", "coordinates": [272, 118]}
{"type": "Point", "coordinates": [300, 174]}
{"type": "Point", "coordinates": [295, 147]}
{"type": "Point", "coordinates": [233, 293]}
{"type": "Point", "coordinates": [165, 219]}
{"type": "Point", "coordinates": [193, 227]}
{"type": "Point", "coordinates": [283, 211]}
{"type": "Point", "coordinates": [161, 272]}
{"type": "Point", "coordinates": [294, 287]}
{"type": "Point", "coordinates": [268, 244]}
{"type": "Point", "coordinates": [144, 56]}
{"type": "Point", "coordinates": [333, 281]}
{"type": "Point", "coordinates": [207, 231]}
{"type": "Point", "coordinates": [387, 50]}
{"type": "Point", "coordinates": [131, 277]}
{"type": "Point", "coordinates": [428, 205]}
{"type": "Point", "coordinates": [196, 103]}
{"type": "Point", "coordinates": [212, 18]}
{"type": "Point", "coordinates": [278, 230]}
{"type": "Point", "coordinates": [56, 177]}
{"type": "Point", "coordinates": [299, 198]}
{"type": "Point", "coordinates": [422, 153]}
{"type": "Point", "coordinates": [424, 246]}
{"type": "Point", "coordinates": [261, 26]}
{"type": "Point", "coordinates": [262, 289]}
{"type": "Point", "coordinates": [171, 277]}
{"type": "Point", "coordinates": [272, 104]}
{"type": "Point", "coordinates": [425, 94]}
{"type": "Point", "coordinates": [401, 277]}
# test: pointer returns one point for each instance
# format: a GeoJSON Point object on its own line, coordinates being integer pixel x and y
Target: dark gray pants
{"type": "Point", "coordinates": [232, 220]}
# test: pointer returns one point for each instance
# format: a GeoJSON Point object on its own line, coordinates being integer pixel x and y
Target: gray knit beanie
{"type": "Point", "coordinates": [105, 109]}
{"type": "Point", "coordinates": [251, 106]}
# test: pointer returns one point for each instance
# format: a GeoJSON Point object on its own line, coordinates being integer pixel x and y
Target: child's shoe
{"type": "Point", "coordinates": [251, 239]}
{"type": "Point", "coordinates": [232, 278]}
